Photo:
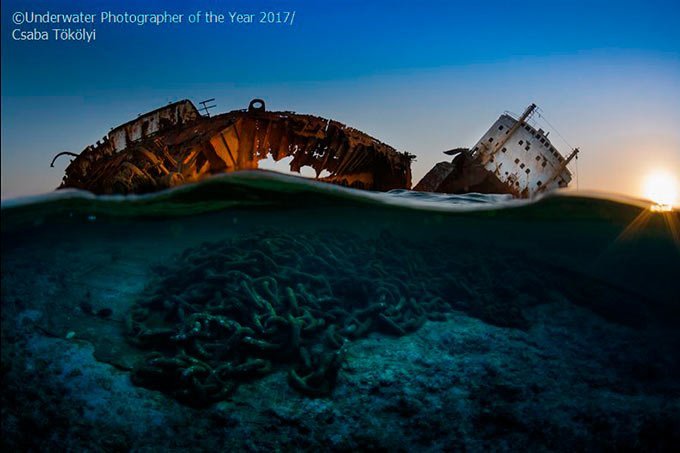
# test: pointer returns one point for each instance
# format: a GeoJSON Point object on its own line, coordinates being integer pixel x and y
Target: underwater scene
{"type": "Point", "coordinates": [262, 312]}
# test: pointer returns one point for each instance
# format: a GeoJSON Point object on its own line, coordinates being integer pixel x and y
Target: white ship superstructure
{"type": "Point", "coordinates": [522, 157]}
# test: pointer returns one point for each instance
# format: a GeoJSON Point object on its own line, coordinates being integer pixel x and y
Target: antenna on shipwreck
{"type": "Point", "coordinates": [206, 108]}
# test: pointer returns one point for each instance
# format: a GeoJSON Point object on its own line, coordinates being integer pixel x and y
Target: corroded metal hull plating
{"type": "Point", "coordinates": [176, 145]}
{"type": "Point", "coordinates": [464, 174]}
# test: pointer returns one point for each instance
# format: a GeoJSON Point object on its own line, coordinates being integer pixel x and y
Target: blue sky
{"type": "Point", "coordinates": [422, 76]}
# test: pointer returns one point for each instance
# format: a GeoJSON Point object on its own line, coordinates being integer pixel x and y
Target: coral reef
{"type": "Point", "coordinates": [460, 384]}
{"type": "Point", "coordinates": [534, 353]}
{"type": "Point", "coordinates": [232, 311]}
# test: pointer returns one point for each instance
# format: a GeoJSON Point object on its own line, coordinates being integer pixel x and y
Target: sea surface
{"type": "Point", "coordinates": [260, 311]}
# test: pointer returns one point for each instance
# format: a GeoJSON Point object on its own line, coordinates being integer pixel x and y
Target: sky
{"type": "Point", "coordinates": [421, 76]}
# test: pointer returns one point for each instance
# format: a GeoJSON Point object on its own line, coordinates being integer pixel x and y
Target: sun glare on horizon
{"type": "Point", "coordinates": [661, 187]}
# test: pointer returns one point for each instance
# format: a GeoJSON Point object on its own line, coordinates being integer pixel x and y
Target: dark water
{"type": "Point", "coordinates": [202, 294]}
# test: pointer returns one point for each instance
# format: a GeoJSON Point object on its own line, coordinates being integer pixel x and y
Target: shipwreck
{"type": "Point", "coordinates": [177, 144]}
{"type": "Point", "coordinates": [512, 157]}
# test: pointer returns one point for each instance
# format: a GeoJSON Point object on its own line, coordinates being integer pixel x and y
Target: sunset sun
{"type": "Point", "coordinates": [661, 187]}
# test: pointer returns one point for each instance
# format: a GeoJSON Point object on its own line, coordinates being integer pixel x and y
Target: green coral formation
{"type": "Point", "coordinates": [231, 311]}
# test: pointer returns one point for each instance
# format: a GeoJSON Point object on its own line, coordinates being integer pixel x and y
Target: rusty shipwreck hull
{"type": "Point", "coordinates": [464, 174]}
{"type": "Point", "coordinates": [175, 145]}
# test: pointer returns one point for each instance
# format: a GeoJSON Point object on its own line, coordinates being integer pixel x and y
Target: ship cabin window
{"type": "Point", "coordinates": [528, 170]}
{"type": "Point", "coordinates": [522, 166]}
{"type": "Point", "coordinates": [521, 142]}
{"type": "Point", "coordinates": [527, 127]}
{"type": "Point", "coordinates": [538, 158]}
{"type": "Point", "coordinates": [544, 164]}
{"type": "Point", "coordinates": [490, 139]}
{"type": "Point", "coordinates": [539, 183]}
{"type": "Point", "coordinates": [546, 144]}
{"type": "Point", "coordinates": [500, 128]}
{"type": "Point", "coordinates": [542, 140]}
{"type": "Point", "coordinates": [491, 160]}
{"type": "Point", "coordinates": [516, 161]}
{"type": "Point", "coordinates": [504, 149]}
{"type": "Point", "coordinates": [527, 148]}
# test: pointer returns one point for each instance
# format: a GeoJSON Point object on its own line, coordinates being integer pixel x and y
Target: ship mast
{"type": "Point", "coordinates": [560, 169]}
{"type": "Point", "coordinates": [520, 122]}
